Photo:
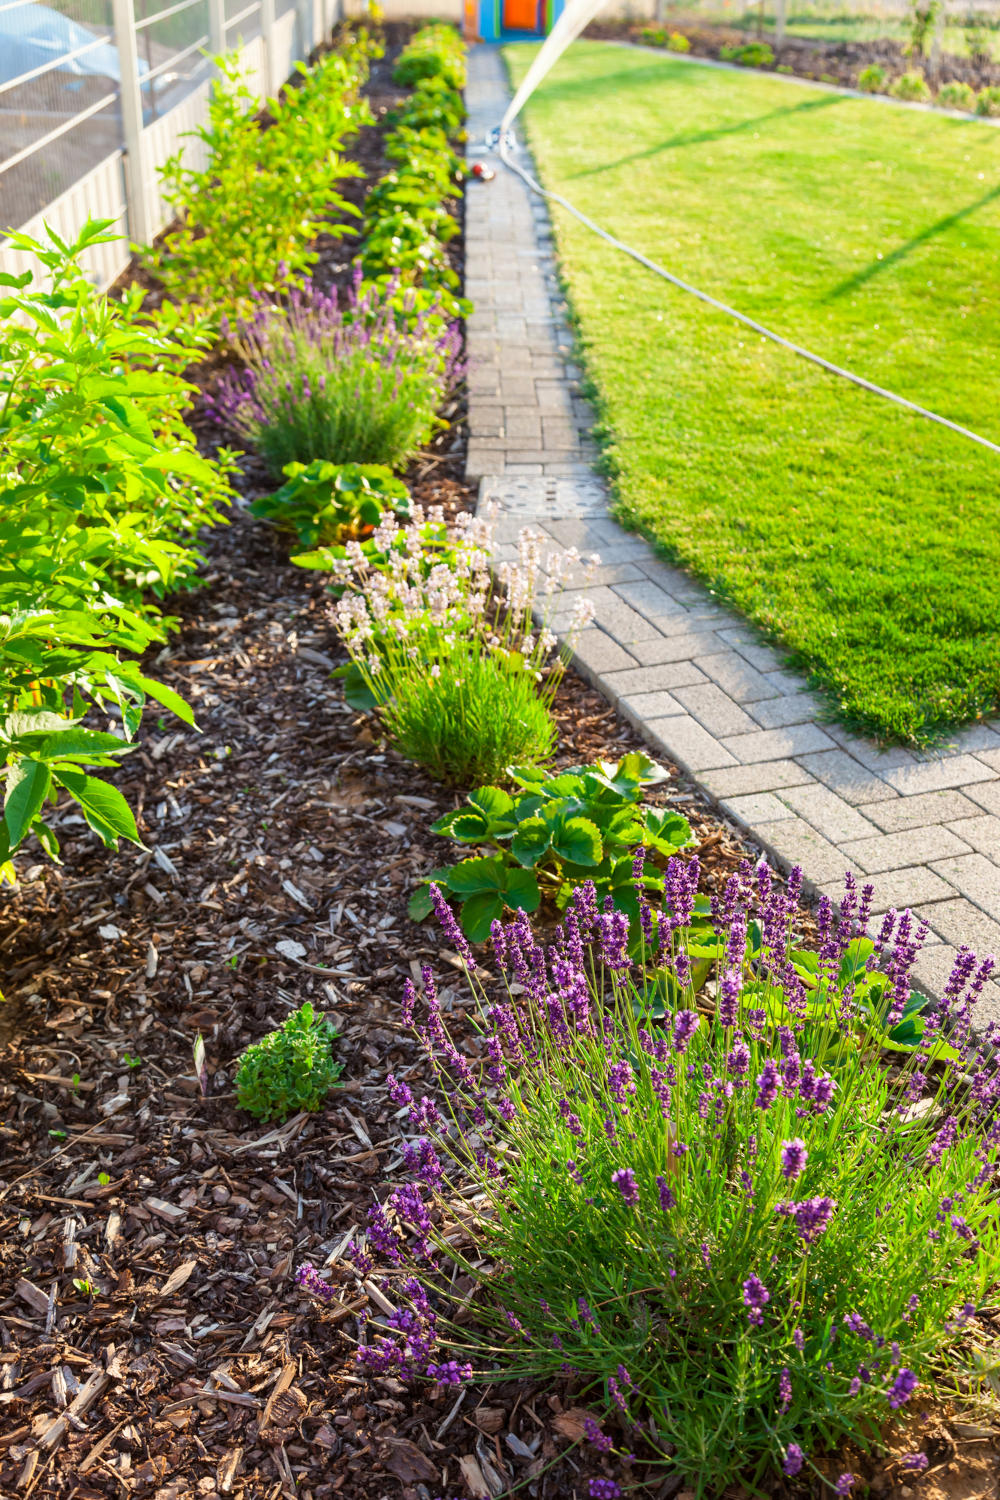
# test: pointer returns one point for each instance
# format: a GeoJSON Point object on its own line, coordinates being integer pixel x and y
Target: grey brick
{"type": "Point", "coordinates": [829, 814]}
{"type": "Point", "coordinates": [596, 653]}
{"type": "Point", "coordinates": [875, 757]}
{"type": "Point", "coordinates": [974, 876]}
{"type": "Point", "coordinates": [779, 713]}
{"type": "Point", "coordinates": [894, 851]}
{"type": "Point", "coordinates": [931, 973]}
{"type": "Point", "coordinates": [715, 709]}
{"type": "Point", "coordinates": [974, 740]}
{"type": "Point", "coordinates": [764, 658]}
{"type": "Point", "coordinates": [738, 678]}
{"type": "Point", "coordinates": [775, 744]}
{"type": "Point", "coordinates": [650, 600]}
{"type": "Point", "coordinates": [676, 648]}
{"type": "Point", "coordinates": [938, 775]}
{"type": "Point", "coordinates": [794, 842]}
{"type": "Point", "coordinates": [648, 706]}
{"type": "Point", "coordinates": [958, 921]}
{"type": "Point", "coordinates": [768, 776]}
{"type": "Point", "coordinates": [669, 674]}
{"type": "Point", "coordinates": [758, 807]}
{"type": "Point", "coordinates": [843, 775]}
{"type": "Point", "coordinates": [683, 739]}
{"type": "Point", "coordinates": [986, 794]}
{"type": "Point", "coordinates": [981, 834]}
{"type": "Point", "coordinates": [903, 888]}
{"type": "Point", "coordinates": [917, 812]}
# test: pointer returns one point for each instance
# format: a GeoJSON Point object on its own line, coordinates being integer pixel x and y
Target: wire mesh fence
{"type": "Point", "coordinates": [96, 94]}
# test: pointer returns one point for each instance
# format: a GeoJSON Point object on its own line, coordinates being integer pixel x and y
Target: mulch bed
{"type": "Point", "coordinates": [832, 62]}
{"type": "Point", "coordinates": [152, 1340]}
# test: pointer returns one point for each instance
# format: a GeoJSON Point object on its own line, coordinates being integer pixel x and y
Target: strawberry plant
{"type": "Point", "coordinates": [326, 503]}
{"type": "Point", "coordinates": [584, 824]}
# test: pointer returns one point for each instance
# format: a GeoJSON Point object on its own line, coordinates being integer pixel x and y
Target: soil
{"type": "Point", "coordinates": [152, 1339]}
{"type": "Point", "coordinates": [831, 62]}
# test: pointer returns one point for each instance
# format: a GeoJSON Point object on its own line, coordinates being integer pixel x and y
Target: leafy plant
{"type": "Point", "coordinates": [988, 101]}
{"type": "Point", "coordinates": [249, 217]}
{"type": "Point", "coordinates": [744, 1254]}
{"type": "Point", "coordinates": [325, 503]}
{"type": "Point", "coordinates": [104, 494]}
{"type": "Point", "coordinates": [923, 18]}
{"type": "Point", "coordinates": [583, 824]}
{"type": "Point", "coordinates": [872, 80]}
{"type": "Point", "coordinates": [290, 1069]}
{"type": "Point", "coordinates": [355, 382]}
{"type": "Point", "coordinates": [437, 51]}
{"type": "Point", "coordinates": [911, 86]}
{"type": "Point", "coordinates": [750, 54]}
{"type": "Point", "coordinates": [678, 42]}
{"type": "Point", "coordinates": [957, 96]}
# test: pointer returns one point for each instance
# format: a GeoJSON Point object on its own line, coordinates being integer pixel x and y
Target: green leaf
{"type": "Point", "coordinates": [473, 877]}
{"type": "Point", "coordinates": [521, 890]}
{"type": "Point", "coordinates": [492, 801]}
{"type": "Point", "coordinates": [578, 840]}
{"type": "Point", "coordinates": [103, 806]}
{"type": "Point", "coordinates": [479, 913]}
{"type": "Point", "coordinates": [666, 831]}
{"type": "Point", "coordinates": [466, 826]}
{"type": "Point", "coordinates": [420, 905]}
{"type": "Point", "coordinates": [531, 840]}
{"type": "Point", "coordinates": [28, 782]}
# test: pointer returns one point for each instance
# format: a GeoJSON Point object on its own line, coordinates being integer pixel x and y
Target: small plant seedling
{"type": "Point", "coordinates": [290, 1069]}
{"type": "Point", "coordinates": [83, 1286]}
{"type": "Point", "coordinates": [103, 1178]}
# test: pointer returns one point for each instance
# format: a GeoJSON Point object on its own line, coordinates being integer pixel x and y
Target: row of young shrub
{"type": "Point", "coordinates": [913, 87]}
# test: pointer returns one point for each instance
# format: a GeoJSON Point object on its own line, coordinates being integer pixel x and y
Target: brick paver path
{"type": "Point", "coordinates": [697, 682]}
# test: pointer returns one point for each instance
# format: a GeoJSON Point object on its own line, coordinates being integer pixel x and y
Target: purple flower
{"type": "Point", "coordinates": [902, 1388]}
{"type": "Point", "coordinates": [767, 1085]}
{"type": "Point", "coordinates": [793, 1158]}
{"type": "Point", "coordinates": [667, 1199]}
{"type": "Point", "coordinates": [785, 1389]}
{"type": "Point", "coordinates": [794, 1459]}
{"type": "Point", "coordinates": [914, 1463]}
{"type": "Point", "coordinates": [812, 1216]}
{"type": "Point", "coordinates": [309, 1279]}
{"type": "Point", "coordinates": [844, 1485]}
{"type": "Point", "coordinates": [450, 1373]}
{"type": "Point", "coordinates": [594, 1435]}
{"type": "Point", "coordinates": [624, 1181]}
{"type": "Point", "coordinates": [604, 1489]}
{"type": "Point", "coordinates": [755, 1298]}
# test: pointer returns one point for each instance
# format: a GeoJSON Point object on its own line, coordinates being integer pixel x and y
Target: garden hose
{"type": "Point", "coordinates": [503, 141]}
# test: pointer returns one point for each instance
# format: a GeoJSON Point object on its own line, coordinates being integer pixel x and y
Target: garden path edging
{"type": "Point", "coordinates": [695, 679]}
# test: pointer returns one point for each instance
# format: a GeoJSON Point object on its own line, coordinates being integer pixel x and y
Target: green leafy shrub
{"type": "Point", "coordinates": [290, 1069]}
{"type": "Point", "coordinates": [583, 824]}
{"type": "Point", "coordinates": [349, 382]}
{"type": "Point", "coordinates": [750, 54]}
{"type": "Point", "coordinates": [249, 217]}
{"type": "Point", "coordinates": [325, 503]}
{"type": "Point", "coordinates": [462, 678]}
{"type": "Point", "coordinates": [988, 101]}
{"type": "Point", "coordinates": [678, 42]}
{"type": "Point", "coordinates": [437, 51]}
{"type": "Point", "coordinates": [653, 36]}
{"type": "Point", "coordinates": [750, 1240]}
{"type": "Point", "coordinates": [957, 96]}
{"type": "Point", "coordinates": [911, 86]}
{"type": "Point", "coordinates": [104, 494]}
{"type": "Point", "coordinates": [872, 80]}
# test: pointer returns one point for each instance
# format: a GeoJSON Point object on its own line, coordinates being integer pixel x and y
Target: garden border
{"type": "Point", "coordinates": [695, 679]}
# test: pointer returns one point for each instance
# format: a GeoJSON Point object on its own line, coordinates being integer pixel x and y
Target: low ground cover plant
{"type": "Point", "coordinates": [911, 86]}
{"type": "Point", "coordinates": [462, 676]}
{"type": "Point", "coordinates": [357, 379]}
{"type": "Point", "coordinates": [437, 51]}
{"type": "Point", "coordinates": [250, 215]}
{"type": "Point", "coordinates": [743, 1238]}
{"type": "Point", "coordinates": [957, 96]}
{"type": "Point", "coordinates": [584, 824]}
{"type": "Point", "coordinates": [104, 493]}
{"type": "Point", "coordinates": [324, 503]}
{"type": "Point", "coordinates": [290, 1069]}
{"type": "Point", "coordinates": [988, 101]}
{"type": "Point", "coordinates": [872, 79]}
{"type": "Point", "coordinates": [750, 54]}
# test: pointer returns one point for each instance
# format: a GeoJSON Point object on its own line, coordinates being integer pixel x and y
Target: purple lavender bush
{"type": "Point", "coordinates": [357, 380]}
{"type": "Point", "coordinates": [744, 1230]}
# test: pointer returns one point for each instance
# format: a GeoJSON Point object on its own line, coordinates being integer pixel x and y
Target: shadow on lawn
{"type": "Point", "coordinates": [895, 256]}
{"type": "Point", "coordinates": [702, 137]}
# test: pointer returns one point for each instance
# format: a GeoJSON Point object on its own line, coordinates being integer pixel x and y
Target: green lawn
{"type": "Point", "coordinates": [863, 539]}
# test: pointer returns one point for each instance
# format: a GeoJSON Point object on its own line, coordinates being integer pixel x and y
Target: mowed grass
{"type": "Point", "coordinates": [862, 538]}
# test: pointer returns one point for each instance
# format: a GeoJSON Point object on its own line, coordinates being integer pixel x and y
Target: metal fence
{"type": "Point", "coordinates": [95, 95]}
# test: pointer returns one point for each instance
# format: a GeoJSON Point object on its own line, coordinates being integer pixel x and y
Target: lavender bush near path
{"type": "Point", "coordinates": [735, 1229]}
{"type": "Point", "coordinates": [353, 381]}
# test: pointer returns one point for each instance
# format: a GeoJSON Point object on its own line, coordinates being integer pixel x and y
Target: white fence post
{"type": "Point", "coordinates": [267, 37]}
{"type": "Point", "coordinates": [217, 27]}
{"type": "Point", "coordinates": [779, 22]}
{"type": "Point", "coordinates": [136, 195]}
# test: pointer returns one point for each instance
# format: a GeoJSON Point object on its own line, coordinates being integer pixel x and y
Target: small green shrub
{"type": "Point", "coordinates": [653, 36]}
{"type": "Point", "coordinates": [988, 101]}
{"type": "Point", "coordinates": [324, 503]}
{"type": "Point", "coordinates": [911, 86]}
{"type": "Point", "coordinates": [957, 96]}
{"type": "Point", "coordinates": [750, 54]}
{"type": "Point", "coordinates": [872, 80]}
{"type": "Point", "coordinates": [583, 824]}
{"type": "Point", "coordinates": [437, 51]}
{"type": "Point", "coordinates": [678, 42]}
{"type": "Point", "coordinates": [290, 1069]}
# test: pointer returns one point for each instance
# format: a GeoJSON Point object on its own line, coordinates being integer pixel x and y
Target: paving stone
{"type": "Point", "coordinates": [715, 709]}
{"type": "Point", "coordinates": [985, 794]}
{"type": "Point", "coordinates": [894, 851]}
{"type": "Point", "coordinates": [792, 841]}
{"type": "Point", "coordinates": [973, 740]}
{"type": "Point", "coordinates": [779, 713]}
{"type": "Point", "coordinates": [737, 677]}
{"type": "Point", "coordinates": [902, 888]}
{"type": "Point", "coordinates": [874, 757]}
{"type": "Point", "coordinates": [974, 876]}
{"type": "Point", "coordinates": [923, 809]}
{"type": "Point", "coordinates": [775, 744]}
{"type": "Point", "coordinates": [770, 775]}
{"type": "Point", "coordinates": [958, 921]}
{"type": "Point", "coordinates": [648, 706]}
{"type": "Point", "coordinates": [669, 674]}
{"type": "Point", "coordinates": [764, 658]}
{"type": "Point", "coordinates": [989, 758]}
{"type": "Point", "coordinates": [829, 814]}
{"type": "Point", "coordinates": [676, 648]}
{"type": "Point", "coordinates": [683, 739]}
{"type": "Point", "coordinates": [981, 834]}
{"type": "Point", "coordinates": [759, 807]}
{"type": "Point", "coordinates": [843, 775]}
{"type": "Point", "coordinates": [934, 776]}
{"type": "Point", "coordinates": [652, 601]}
{"type": "Point", "coordinates": [596, 653]}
